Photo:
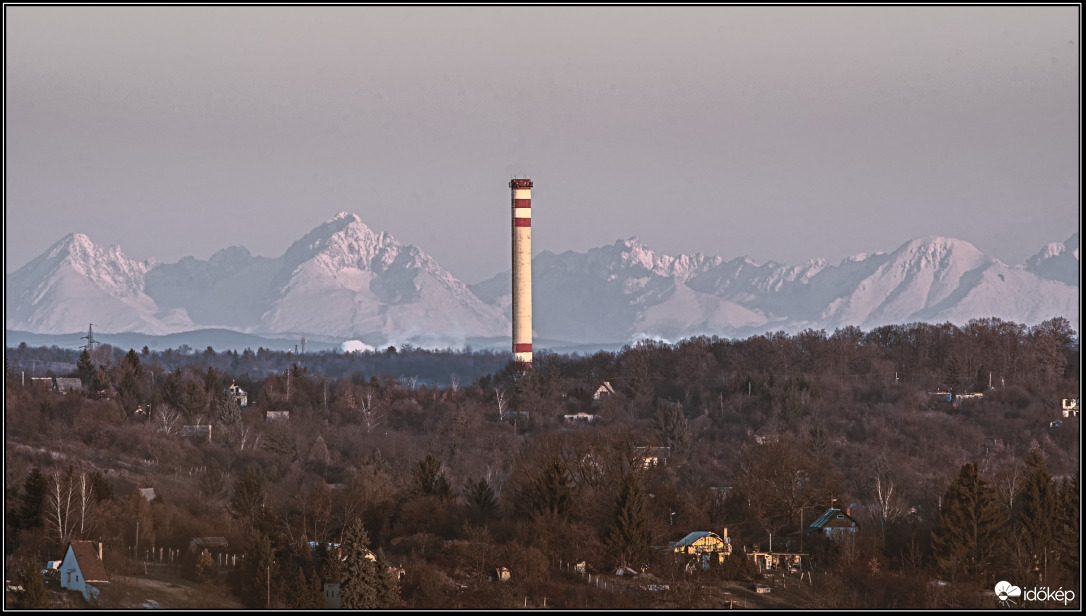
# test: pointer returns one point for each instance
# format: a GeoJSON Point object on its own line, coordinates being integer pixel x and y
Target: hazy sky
{"type": "Point", "coordinates": [780, 133]}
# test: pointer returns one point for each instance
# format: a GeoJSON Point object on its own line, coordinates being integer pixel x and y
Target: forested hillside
{"type": "Point", "coordinates": [428, 472]}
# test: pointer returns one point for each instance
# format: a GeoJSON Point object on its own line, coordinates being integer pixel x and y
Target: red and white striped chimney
{"type": "Point", "coordinates": [522, 270]}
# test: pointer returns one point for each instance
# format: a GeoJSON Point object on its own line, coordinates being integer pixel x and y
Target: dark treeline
{"type": "Point", "coordinates": [452, 465]}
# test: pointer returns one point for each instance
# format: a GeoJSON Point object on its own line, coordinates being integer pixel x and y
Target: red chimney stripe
{"type": "Point", "coordinates": [522, 347]}
{"type": "Point", "coordinates": [522, 222]}
{"type": "Point", "coordinates": [522, 203]}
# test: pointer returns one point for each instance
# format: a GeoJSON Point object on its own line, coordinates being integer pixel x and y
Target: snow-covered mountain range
{"type": "Point", "coordinates": [628, 291]}
{"type": "Point", "coordinates": [344, 281]}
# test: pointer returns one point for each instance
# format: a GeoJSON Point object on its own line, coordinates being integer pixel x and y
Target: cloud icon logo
{"type": "Point", "coordinates": [1005, 590]}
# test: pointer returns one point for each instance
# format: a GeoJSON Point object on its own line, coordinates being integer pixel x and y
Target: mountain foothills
{"type": "Point", "coordinates": [370, 287]}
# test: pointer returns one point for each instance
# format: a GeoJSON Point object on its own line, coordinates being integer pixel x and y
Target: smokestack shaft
{"type": "Point", "coordinates": [522, 270]}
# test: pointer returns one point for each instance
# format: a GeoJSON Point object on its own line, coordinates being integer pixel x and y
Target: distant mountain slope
{"type": "Point", "coordinates": [339, 280]}
{"type": "Point", "coordinates": [343, 280]}
{"type": "Point", "coordinates": [625, 291]}
{"type": "Point", "coordinates": [75, 283]}
{"type": "Point", "coordinates": [1059, 262]}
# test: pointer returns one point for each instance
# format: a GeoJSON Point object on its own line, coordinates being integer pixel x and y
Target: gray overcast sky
{"type": "Point", "coordinates": [786, 133]}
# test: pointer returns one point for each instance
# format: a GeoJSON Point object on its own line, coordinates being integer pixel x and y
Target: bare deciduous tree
{"type": "Point", "coordinates": [85, 502]}
{"type": "Point", "coordinates": [499, 393]}
{"type": "Point", "coordinates": [167, 419]}
{"type": "Point", "coordinates": [889, 505]}
{"type": "Point", "coordinates": [372, 413]}
{"type": "Point", "coordinates": [62, 507]}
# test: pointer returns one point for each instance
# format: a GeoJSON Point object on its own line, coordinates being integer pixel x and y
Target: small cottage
{"type": "Point", "coordinates": [239, 394]}
{"type": "Point", "coordinates": [835, 523]}
{"type": "Point", "coordinates": [65, 385]}
{"type": "Point", "coordinates": [603, 391]}
{"type": "Point", "coordinates": [81, 567]}
{"type": "Point", "coordinates": [1070, 407]}
{"type": "Point", "coordinates": [702, 544]}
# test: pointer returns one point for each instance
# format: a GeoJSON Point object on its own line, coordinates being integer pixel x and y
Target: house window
{"type": "Point", "coordinates": [840, 517]}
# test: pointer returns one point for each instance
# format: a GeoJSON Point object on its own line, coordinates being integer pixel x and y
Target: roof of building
{"type": "Point", "coordinates": [694, 537]}
{"type": "Point", "coordinates": [66, 384]}
{"type": "Point", "coordinates": [830, 518]}
{"type": "Point", "coordinates": [86, 554]}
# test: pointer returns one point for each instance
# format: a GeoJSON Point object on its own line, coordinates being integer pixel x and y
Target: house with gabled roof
{"type": "Point", "coordinates": [835, 523]}
{"type": "Point", "coordinates": [603, 391]}
{"type": "Point", "coordinates": [81, 567]}
{"type": "Point", "coordinates": [703, 542]}
{"type": "Point", "coordinates": [65, 384]}
{"type": "Point", "coordinates": [699, 546]}
{"type": "Point", "coordinates": [238, 394]}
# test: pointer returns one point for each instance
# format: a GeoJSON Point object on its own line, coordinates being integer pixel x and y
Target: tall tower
{"type": "Point", "coordinates": [522, 270]}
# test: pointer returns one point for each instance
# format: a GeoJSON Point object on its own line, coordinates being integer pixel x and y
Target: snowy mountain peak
{"type": "Point", "coordinates": [345, 215]}
{"type": "Point", "coordinates": [1057, 261]}
{"type": "Point", "coordinates": [633, 253]}
{"type": "Point", "coordinates": [107, 268]}
{"type": "Point", "coordinates": [935, 252]}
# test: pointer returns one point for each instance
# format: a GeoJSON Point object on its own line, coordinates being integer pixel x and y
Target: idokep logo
{"type": "Point", "coordinates": [1006, 592]}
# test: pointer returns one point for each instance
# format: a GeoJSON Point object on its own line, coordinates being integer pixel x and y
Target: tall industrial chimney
{"type": "Point", "coordinates": [522, 271]}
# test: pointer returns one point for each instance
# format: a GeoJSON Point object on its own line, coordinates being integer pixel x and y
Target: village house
{"type": "Point", "coordinates": [603, 391]}
{"type": "Point", "coordinates": [64, 385]}
{"type": "Point", "coordinates": [651, 456]}
{"type": "Point", "coordinates": [1070, 407]}
{"type": "Point", "coordinates": [703, 544]}
{"type": "Point", "coordinates": [332, 599]}
{"type": "Point", "coordinates": [835, 524]}
{"type": "Point", "coordinates": [766, 436]}
{"type": "Point", "coordinates": [276, 415]}
{"type": "Point", "coordinates": [59, 384]}
{"type": "Point", "coordinates": [81, 567]}
{"type": "Point", "coordinates": [239, 394]}
{"type": "Point", "coordinates": [581, 417]}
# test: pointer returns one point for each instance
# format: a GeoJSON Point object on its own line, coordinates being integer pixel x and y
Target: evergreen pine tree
{"type": "Point", "coordinates": [227, 408]}
{"type": "Point", "coordinates": [84, 367]}
{"type": "Point", "coordinates": [131, 362]}
{"type": "Point", "coordinates": [430, 480]}
{"type": "Point", "coordinates": [388, 586]}
{"type": "Point", "coordinates": [1067, 527]}
{"type": "Point", "coordinates": [360, 585]}
{"type": "Point", "coordinates": [305, 593]}
{"type": "Point", "coordinates": [481, 500]}
{"type": "Point", "coordinates": [629, 536]}
{"type": "Point", "coordinates": [1039, 508]}
{"type": "Point", "coordinates": [671, 422]}
{"type": "Point", "coordinates": [258, 570]}
{"type": "Point", "coordinates": [967, 527]}
{"type": "Point", "coordinates": [316, 592]}
{"type": "Point", "coordinates": [551, 493]}
{"type": "Point", "coordinates": [33, 499]}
